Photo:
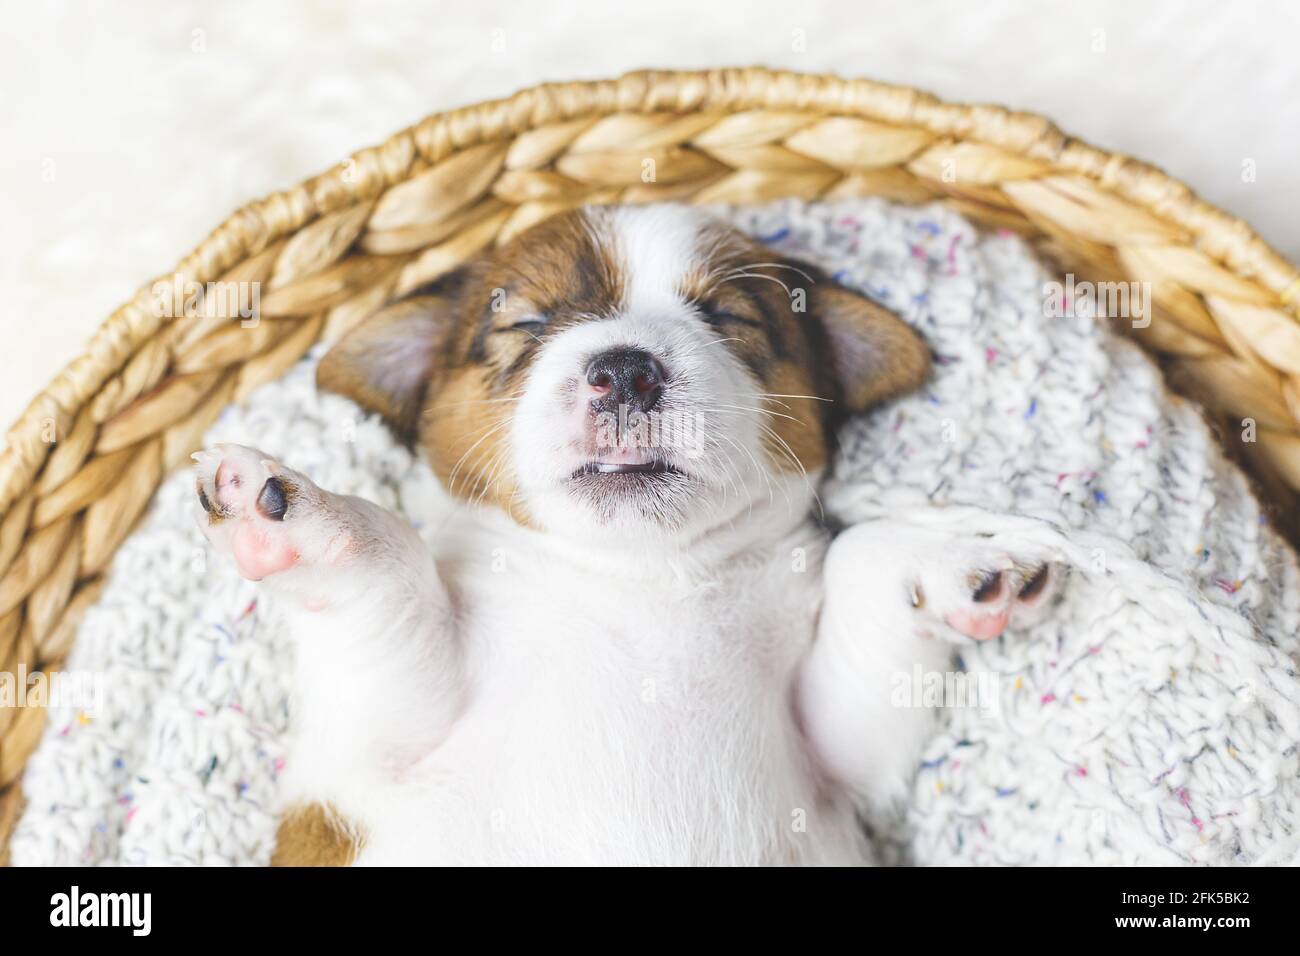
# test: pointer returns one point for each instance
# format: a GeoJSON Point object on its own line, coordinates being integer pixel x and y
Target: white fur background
{"type": "Point", "coordinates": [129, 130]}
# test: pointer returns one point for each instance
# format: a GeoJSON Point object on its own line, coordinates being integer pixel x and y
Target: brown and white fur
{"type": "Point", "coordinates": [620, 651]}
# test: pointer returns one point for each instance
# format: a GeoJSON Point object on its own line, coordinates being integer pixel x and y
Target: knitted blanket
{"type": "Point", "coordinates": [1153, 718]}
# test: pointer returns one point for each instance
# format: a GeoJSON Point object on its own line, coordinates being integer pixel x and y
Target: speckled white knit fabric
{"type": "Point", "coordinates": [1154, 718]}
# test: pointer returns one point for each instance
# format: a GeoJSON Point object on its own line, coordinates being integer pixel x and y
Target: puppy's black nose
{"type": "Point", "coordinates": [630, 377]}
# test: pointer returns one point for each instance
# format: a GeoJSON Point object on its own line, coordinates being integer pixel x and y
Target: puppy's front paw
{"type": "Point", "coordinates": [972, 590]}
{"type": "Point", "coordinates": [265, 515]}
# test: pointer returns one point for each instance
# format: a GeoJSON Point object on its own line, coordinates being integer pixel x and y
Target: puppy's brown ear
{"type": "Point", "coordinates": [874, 354]}
{"type": "Point", "coordinates": [384, 363]}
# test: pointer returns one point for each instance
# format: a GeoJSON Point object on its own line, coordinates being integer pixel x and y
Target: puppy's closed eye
{"type": "Point", "coordinates": [719, 316]}
{"type": "Point", "coordinates": [533, 323]}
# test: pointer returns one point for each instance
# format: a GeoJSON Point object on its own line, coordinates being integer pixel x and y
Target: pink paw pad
{"type": "Point", "coordinates": [994, 600]}
{"type": "Point", "coordinates": [257, 554]}
{"type": "Point", "coordinates": [980, 627]}
{"type": "Point", "coordinates": [245, 497]}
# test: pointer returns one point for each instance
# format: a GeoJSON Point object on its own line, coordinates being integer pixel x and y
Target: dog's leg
{"type": "Point", "coordinates": [898, 600]}
{"type": "Point", "coordinates": [378, 678]}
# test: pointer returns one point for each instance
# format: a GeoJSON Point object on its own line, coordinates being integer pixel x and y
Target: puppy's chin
{"type": "Point", "coordinates": [673, 509]}
{"type": "Point", "coordinates": [622, 504]}
{"type": "Point", "coordinates": [659, 496]}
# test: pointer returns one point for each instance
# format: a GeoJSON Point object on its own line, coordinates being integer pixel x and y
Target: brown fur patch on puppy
{"type": "Point", "coordinates": [874, 354]}
{"type": "Point", "coordinates": [552, 277]}
{"type": "Point", "coordinates": [446, 365]}
{"type": "Point", "coordinates": [818, 350]}
{"type": "Point", "coordinates": [314, 836]}
{"type": "Point", "coordinates": [383, 364]}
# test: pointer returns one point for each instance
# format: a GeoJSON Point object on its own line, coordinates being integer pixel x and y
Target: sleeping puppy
{"type": "Point", "coordinates": [632, 643]}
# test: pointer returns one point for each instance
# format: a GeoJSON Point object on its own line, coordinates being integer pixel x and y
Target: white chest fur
{"type": "Point", "coordinates": [638, 716]}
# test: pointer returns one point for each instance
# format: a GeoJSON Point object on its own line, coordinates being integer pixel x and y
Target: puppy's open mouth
{"type": "Point", "coordinates": [610, 481]}
{"type": "Point", "coordinates": [626, 468]}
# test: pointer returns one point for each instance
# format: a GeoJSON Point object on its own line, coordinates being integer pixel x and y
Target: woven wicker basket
{"type": "Point", "coordinates": [86, 456]}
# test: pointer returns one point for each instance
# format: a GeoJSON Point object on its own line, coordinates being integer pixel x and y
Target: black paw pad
{"type": "Point", "coordinates": [1034, 586]}
{"type": "Point", "coordinates": [273, 500]}
{"type": "Point", "coordinates": [203, 499]}
{"type": "Point", "coordinates": [990, 588]}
